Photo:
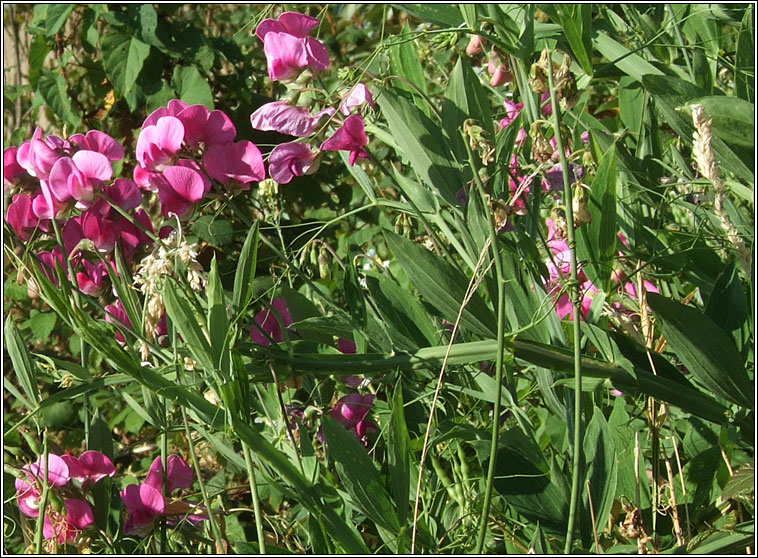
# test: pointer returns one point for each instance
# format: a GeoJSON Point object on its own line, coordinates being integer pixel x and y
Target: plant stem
{"type": "Point", "coordinates": [576, 310]}
{"type": "Point", "coordinates": [499, 355]}
{"type": "Point", "coordinates": [43, 499]}
{"type": "Point", "coordinates": [256, 501]}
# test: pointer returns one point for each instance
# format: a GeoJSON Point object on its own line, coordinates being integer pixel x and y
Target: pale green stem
{"type": "Point", "coordinates": [573, 291]}
{"type": "Point", "coordinates": [43, 499]}
{"type": "Point", "coordinates": [256, 501]}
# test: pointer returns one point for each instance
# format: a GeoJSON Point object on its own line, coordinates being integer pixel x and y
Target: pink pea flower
{"type": "Point", "coordinates": [265, 320]}
{"type": "Point", "coordinates": [37, 156]}
{"type": "Point", "coordinates": [348, 347]}
{"type": "Point", "coordinates": [20, 216]}
{"type": "Point", "coordinates": [512, 110]}
{"type": "Point", "coordinates": [474, 46]}
{"type": "Point", "coordinates": [11, 168]}
{"type": "Point", "coordinates": [124, 193]}
{"type": "Point", "coordinates": [159, 144]}
{"type": "Point", "coordinates": [179, 189]}
{"type": "Point", "coordinates": [284, 118]}
{"type": "Point", "coordinates": [351, 410]}
{"type": "Point", "coordinates": [48, 262]}
{"type": "Point", "coordinates": [356, 97]}
{"type": "Point", "coordinates": [351, 136]}
{"type": "Point", "coordinates": [287, 47]}
{"type": "Point", "coordinates": [79, 177]}
{"type": "Point", "coordinates": [115, 314]}
{"type": "Point", "coordinates": [175, 106]}
{"type": "Point", "coordinates": [143, 179]}
{"type": "Point", "coordinates": [179, 474]}
{"type": "Point", "coordinates": [28, 491]}
{"type": "Point", "coordinates": [210, 127]}
{"type": "Point", "coordinates": [100, 142]}
{"type": "Point", "coordinates": [102, 231]}
{"type": "Point", "coordinates": [554, 176]}
{"type": "Point", "coordinates": [499, 72]}
{"type": "Point", "coordinates": [66, 528]}
{"type": "Point", "coordinates": [143, 504]}
{"type": "Point", "coordinates": [234, 163]}
{"type": "Point", "coordinates": [288, 160]}
{"type": "Point", "coordinates": [93, 279]}
{"type": "Point", "coordinates": [132, 237]}
{"type": "Point", "coordinates": [547, 107]}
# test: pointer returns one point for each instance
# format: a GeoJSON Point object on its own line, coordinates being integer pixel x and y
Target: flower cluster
{"type": "Point", "coordinates": [65, 517]}
{"type": "Point", "coordinates": [289, 51]}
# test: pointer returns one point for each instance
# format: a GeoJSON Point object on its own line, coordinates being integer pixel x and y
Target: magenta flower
{"type": "Point", "coordinates": [547, 107]}
{"type": "Point", "coordinates": [37, 156]}
{"type": "Point", "coordinates": [28, 491]}
{"type": "Point", "coordinates": [132, 237]}
{"type": "Point", "coordinates": [281, 117]}
{"type": "Point", "coordinates": [210, 127]}
{"type": "Point", "coordinates": [287, 47]}
{"type": "Point", "coordinates": [92, 281]}
{"type": "Point", "coordinates": [79, 177]}
{"type": "Point", "coordinates": [351, 410]}
{"type": "Point", "coordinates": [100, 142]}
{"type": "Point", "coordinates": [66, 528]}
{"type": "Point", "coordinates": [102, 231]}
{"type": "Point", "coordinates": [115, 314]}
{"type": "Point", "coordinates": [288, 160]}
{"type": "Point", "coordinates": [179, 474]}
{"type": "Point", "coordinates": [90, 467]}
{"type": "Point", "coordinates": [175, 106]}
{"type": "Point", "coordinates": [179, 189]}
{"type": "Point", "coordinates": [48, 262]}
{"type": "Point", "coordinates": [266, 321]}
{"type": "Point", "coordinates": [159, 144]}
{"type": "Point", "coordinates": [349, 137]}
{"type": "Point", "coordinates": [512, 110]}
{"type": "Point", "coordinates": [356, 98]}
{"type": "Point", "coordinates": [144, 504]}
{"type": "Point", "coordinates": [234, 163]}
{"type": "Point", "coordinates": [11, 168]}
{"type": "Point", "coordinates": [124, 193]}
{"type": "Point", "coordinates": [20, 216]}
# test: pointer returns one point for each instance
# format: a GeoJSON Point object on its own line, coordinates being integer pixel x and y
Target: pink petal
{"type": "Point", "coordinates": [297, 24]}
{"type": "Point", "coordinates": [356, 97]}
{"type": "Point", "coordinates": [194, 119]}
{"type": "Point", "coordinates": [20, 216]}
{"type": "Point", "coordinates": [78, 513]}
{"type": "Point", "coordinates": [57, 469]}
{"type": "Point", "coordinates": [102, 232]}
{"type": "Point", "coordinates": [239, 162]}
{"type": "Point", "coordinates": [287, 160]}
{"type": "Point", "coordinates": [27, 498]}
{"type": "Point", "coordinates": [58, 181]}
{"type": "Point", "coordinates": [267, 26]}
{"type": "Point", "coordinates": [175, 106]}
{"type": "Point", "coordinates": [286, 55]}
{"type": "Point", "coordinates": [96, 465]}
{"type": "Point", "coordinates": [219, 128]}
{"type": "Point", "coordinates": [281, 117]}
{"type": "Point", "coordinates": [179, 474]}
{"type": "Point", "coordinates": [318, 57]}
{"type": "Point", "coordinates": [93, 165]}
{"type": "Point", "coordinates": [124, 193]}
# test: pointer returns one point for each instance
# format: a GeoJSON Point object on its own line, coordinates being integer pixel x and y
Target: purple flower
{"type": "Point", "coordinates": [287, 47]}
{"type": "Point", "coordinates": [288, 160]}
{"type": "Point", "coordinates": [100, 142]}
{"type": "Point", "coordinates": [158, 144]}
{"type": "Point", "coordinates": [210, 127]}
{"type": "Point", "coordinates": [554, 176]}
{"type": "Point", "coordinates": [143, 504]}
{"type": "Point", "coordinates": [266, 321]}
{"type": "Point", "coordinates": [179, 474]}
{"type": "Point", "coordinates": [179, 189]}
{"type": "Point", "coordinates": [231, 163]}
{"type": "Point", "coordinates": [351, 410]}
{"type": "Point", "coordinates": [90, 467]}
{"type": "Point", "coordinates": [79, 177]}
{"type": "Point", "coordinates": [351, 136]}
{"type": "Point", "coordinates": [20, 216]}
{"type": "Point", "coordinates": [356, 97]}
{"type": "Point", "coordinates": [66, 528]}
{"type": "Point", "coordinates": [281, 117]}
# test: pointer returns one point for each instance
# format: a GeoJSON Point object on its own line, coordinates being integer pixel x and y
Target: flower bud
{"type": "Point", "coordinates": [474, 46]}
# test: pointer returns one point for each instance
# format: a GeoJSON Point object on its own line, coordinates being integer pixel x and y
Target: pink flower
{"type": "Point", "coordinates": [132, 237]}
{"type": "Point", "coordinates": [547, 107]}
{"type": "Point", "coordinates": [100, 142]}
{"type": "Point", "coordinates": [179, 189]}
{"type": "Point", "coordinates": [102, 231]}
{"type": "Point", "coordinates": [351, 410]}
{"type": "Point", "coordinates": [115, 314]}
{"type": "Point", "coordinates": [231, 163]}
{"type": "Point", "coordinates": [175, 106]}
{"type": "Point", "coordinates": [345, 347]}
{"type": "Point", "coordinates": [287, 47]}
{"type": "Point", "coordinates": [210, 127]}
{"type": "Point", "coordinates": [79, 177]}
{"type": "Point", "coordinates": [270, 324]}
{"type": "Point", "coordinates": [92, 280]}
{"type": "Point", "coordinates": [349, 137]}
{"type": "Point", "coordinates": [67, 528]}
{"type": "Point", "coordinates": [144, 504]}
{"type": "Point", "coordinates": [499, 73]}
{"type": "Point", "coordinates": [124, 193]}
{"type": "Point", "coordinates": [288, 160]}
{"type": "Point", "coordinates": [20, 216]}
{"type": "Point", "coordinates": [474, 46]}
{"type": "Point", "coordinates": [512, 110]}
{"type": "Point", "coordinates": [11, 168]}
{"type": "Point", "coordinates": [159, 144]}
{"type": "Point", "coordinates": [281, 117]}
{"type": "Point", "coordinates": [49, 260]}
{"type": "Point", "coordinates": [28, 493]}
{"type": "Point", "coordinates": [356, 97]}
{"type": "Point", "coordinates": [37, 156]}
{"type": "Point", "coordinates": [179, 474]}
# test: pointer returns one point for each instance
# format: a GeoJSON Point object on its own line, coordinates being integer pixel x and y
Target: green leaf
{"type": "Point", "coordinates": [727, 305]}
{"type": "Point", "coordinates": [703, 347]}
{"type": "Point", "coordinates": [193, 89]}
{"type": "Point", "coordinates": [597, 239]}
{"type": "Point", "coordinates": [421, 143]}
{"type": "Point", "coordinates": [246, 266]}
{"type": "Point", "coordinates": [576, 20]}
{"type": "Point", "coordinates": [441, 285]}
{"type": "Point", "coordinates": [600, 473]}
{"type": "Point", "coordinates": [443, 15]}
{"type": "Point", "coordinates": [38, 51]}
{"type": "Point", "coordinates": [733, 119]}
{"type": "Point", "coordinates": [123, 58]}
{"type": "Point", "coordinates": [185, 321]}
{"type": "Point", "coordinates": [57, 14]}
{"type": "Point", "coordinates": [218, 322]}
{"type": "Point", "coordinates": [399, 456]}
{"type": "Point", "coordinates": [359, 475]}
{"type": "Point", "coordinates": [22, 364]}
{"type": "Point", "coordinates": [741, 485]}
{"type": "Point", "coordinates": [621, 57]}
{"type": "Point", "coordinates": [404, 62]}
{"type": "Point", "coordinates": [356, 301]}
{"type": "Point", "coordinates": [213, 230]}
{"type": "Point", "coordinates": [744, 66]}
{"type": "Point", "coordinates": [53, 89]}
{"type": "Point", "coordinates": [465, 98]}
{"type": "Point", "coordinates": [42, 324]}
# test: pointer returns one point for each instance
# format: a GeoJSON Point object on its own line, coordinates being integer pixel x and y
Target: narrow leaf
{"type": "Point", "coordinates": [243, 278]}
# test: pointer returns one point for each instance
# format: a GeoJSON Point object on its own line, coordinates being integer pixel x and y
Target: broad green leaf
{"type": "Point", "coordinates": [213, 230]}
{"type": "Point", "coordinates": [741, 486]}
{"type": "Point", "coordinates": [576, 22]}
{"type": "Point", "coordinates": [624, 59]}
{"type": "Point", "coordinates": [123, 58]}
{"type": "Point", "coordinates": [441, 285]}
{"type": "Point", "coordinates": [246, 266]}
{"type": "Point", "coordinates": [443, 15]}
{"type": "Point", "coordinates": [57, 14]}
{"type": "Point", "coordinates": [727, 305]}
{"type": "Point", "coordinates": [184, 319]}
{"type": "Point", "coordinates": [404, 62]}
{"type": "Point", "coordinates": [38, 51]}
{"type": "Point", "coordinates": [193, 89]}
{"type": "Point", "coordinates": [22, 363]}
{"type": "Point", "coordinates": [359, 475]}
{"type": "Point", "coordinates": [622, 430]}
{"type": "Point", "coordinates": [597, 239]}
{"type": "Point", "coordinates": [42, 324]}
{"type": "Point", "coordinates": [733, 119]}
{"type": "Point", "coordinates": [600, 473]}
{"type": "Point", "coordinates": [218, 322]}
{"type": "Point", "coordinates": [703, 347]}
{"type": "Point", "coordinates": [422, 144]}
{"type": "Point", "coordinates": [399, 456]}
{"type": "Point", "coordinates": [53, 89]}
{"type": "Point", "coordinates": [744, 67]}
{"type": "Point", "coordinates": [465, 98]}
{"type": "Point", "coordinates": [354, 296]}
{"type": "Point", "coordinates": [408, 324]}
